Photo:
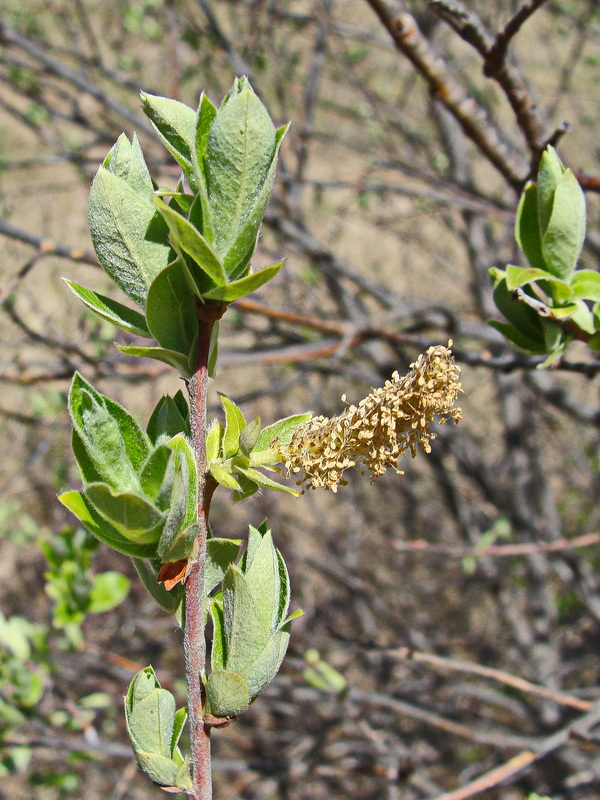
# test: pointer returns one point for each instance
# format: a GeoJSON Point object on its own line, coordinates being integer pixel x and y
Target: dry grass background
{"type": "Point", "coordinates": [390, 218]}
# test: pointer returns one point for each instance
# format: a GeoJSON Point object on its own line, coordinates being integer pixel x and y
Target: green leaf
{"type": "Point", "coordinates": [263, 669]}
{"type": "Point", "coordinates": [148, 572]}
{"type": "Point", "coordinates": [170, 312]}
{"type": "Point", "coordinates": [223, 477]}
{"type": "Point", "coordinates": [109, 589]}
{"type": "Point", "coordinates": [586, 285]}
{"type": "Point", "coordinates": [219, 643]}
{"type": "Point", "coordinates": [125, 318]}
{"type": "Point", "coordinates": [267, 483]}
{"type": "Point", "coordinates": [170, 357]}
{"type": "Point", "coordinates": [151, 723]}
{"type": "Point", "coordinates": [87, 468]}
{"type": "Point", "coordinates": [246, 634]}
{"type": "Point", "coordinates": [213, 441]}
{"type": "Point", "coordinates": [524, 319]}
{"type": "Point", "coordinates": [527, 227]}
{"type": "Point", "coordinates": [521, 276]}
{"type": "Point", "coordinates": [156, 476]}
{"type": "Point", "coordinates": [522, 342]}
{"type": "Point", "coordinates": [565, 233]}
{"type": "Point", "coordinates": [179, 722]}
{"type": "Point", "coordinates": [227, 693]}
{"type": "Point", "coordinates": [126, 161]}
{"type": "Point", "coordinates": [213, 352]}
{"type": "Point", "coordinates": [583, 317]}
{"type": "Point", "coordinates": [99, 527]}
{"type": "Point", "coordinates": [121, 225]}
{"type": "Point", "coordinates": [113, 440]}
{"type": "Point", "coordinates": [181, 523]}
{"type": "Point", "coordinates": [220, 553]}
{"type": "Point", "coordinates": [240, 288]}
{"type": "Point", "coordinates": [241, 249]}
{"type": "Point", "coordinates": [280, 433]}
{"type": "Point", "coordinates": [249, 435]}
{"type": "Point", "coordinates": [263, 577]}
{"type": "Point", "coordinates": [170, 417]}
{"type": "Point", "coordinates": [203, 212]}
{"type": "Point", "coordinates": [161, 770]}
{"type": "Point", "coordinates": [189, 240]}
{"type": "Point", "coordinates": [240, 148]}
{"type": "Point", "coordinates": [132, 516]}
{"type": "Point", "coordinates": [175, 124]}
{"type": "Point", "coordinates": [234, 425]}
{"type": "Point", "coordinates": [549, 174]}
{"type": "Point", "coordinates": [247, 488]}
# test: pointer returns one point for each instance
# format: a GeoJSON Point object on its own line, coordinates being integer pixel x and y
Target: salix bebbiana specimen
{"type": "Point", "coordinates": [183, 255]}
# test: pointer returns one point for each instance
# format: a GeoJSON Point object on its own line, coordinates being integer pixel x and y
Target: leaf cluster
{"type": "Point", "coordinates": [550, 302]}
{"type": "Point", "coordinates": [171, 258]}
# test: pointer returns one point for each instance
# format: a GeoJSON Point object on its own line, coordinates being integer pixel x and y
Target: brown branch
{"type": "Point", "coordinates": [503, 550]}
{"type": "Point", "coordinates": [500, 676]}
{"type": "Point", "coordinates": [493, 51]}
{"type": "Point", "coordinates": [580, 728]}
{"type": "Point", "coordinates": [472, 118]}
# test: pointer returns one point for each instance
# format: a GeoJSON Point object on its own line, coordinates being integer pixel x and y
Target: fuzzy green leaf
{"type": "Point", "coordinates": [280, 433]}
{"type": "Point", "coordinates": [175, 124]}
{"type": "Point", "coordinates": [170, 417]}
{"type": "Point", "coordinates": [219, 642]}
{"type": "Point", "coordinates": [179, 531]}
{"type": "Point", "coordinates": [110, 310]}
{"type": "Point", "coordinates": [267, 483]}
{"type": "Point", "coordinates": [213, 441]}
{"type": "Point", "coordinates": [148, 572]}
{"type": "Point", "coordinates": [156, 476]}
{"type": "Point", "coordinates": [240, 148]}
{"type": "Point", "coordinates": [174, 359]}
{"type": "Point", "coordinates": [265, 667]}
{"type": "Point", "coordinates": [549, 175]}
{"type": "Point", "coordinates": [240, 288]}
{"type": "Point", "coordinates": [246, 634]}
{"type": "Point", "coordinates": [132, 516]}
{"type": "Point", "coordinates": [188, 239]}
{"type": "Point", "coordinates": [220, 553]}
{"type": "Point", "coordinates": [170, 312]}
{"type": "Point", "coordinates": [223, 477]}
{"type": "Point", "coordinates": [126, 161]}
{"type": "Point", "coordinates": [234, 425]}
{"type": "Point", "coordinates": [123, 225]}
{"type": "Point", "coordinates": [99, 527]}
{"type": "Point", "coordinates": [227, 693]}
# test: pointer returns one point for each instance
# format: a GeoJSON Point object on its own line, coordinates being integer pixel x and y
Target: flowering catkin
{"type": "Point", "coordinates": [375, 433]}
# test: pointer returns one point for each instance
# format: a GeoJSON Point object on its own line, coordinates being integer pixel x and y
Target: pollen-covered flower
{"type": "Point", "coordinates": [387, 422]}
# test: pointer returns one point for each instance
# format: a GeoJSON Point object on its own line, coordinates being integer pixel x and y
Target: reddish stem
{"type": "Point", "coordinates": [194, 641]}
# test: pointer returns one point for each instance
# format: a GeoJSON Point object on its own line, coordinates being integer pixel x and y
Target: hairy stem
{"type": "Point", "coordinates": [194, 641]}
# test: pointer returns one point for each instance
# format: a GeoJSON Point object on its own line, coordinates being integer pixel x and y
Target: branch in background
{"type": "Point", "coordinates": [472, 118]}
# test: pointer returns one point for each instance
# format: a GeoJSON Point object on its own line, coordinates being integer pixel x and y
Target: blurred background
{"type": "Point", "coordinates": [452, 614]}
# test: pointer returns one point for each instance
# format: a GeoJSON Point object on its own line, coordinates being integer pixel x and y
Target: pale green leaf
{"type": "Point", "coordinates": [132, 516]}
{"type": "Point", "coordinates": [234, 425]}
{"type": "Point", "coordinates": [227, 693]}
{"type": "Point", "coordinates": [586, 285]}
{"type": "Point", "coordinates": [175, 124]}
{"type": "Point", "coordinates": [99, 527]}
{"type": "Point", "coordinates": [220, 553]}
{"type": "Point", "coordinates": [170, 312]}
{"type": "Point", "coordinates": [188, 239]}
{"type": "Point", "coordinates": [121, 225]}
{"type": "Point", "coordinates": [240, 288]}
{"type": "Point", "coordinates": [174, 359]}
{"type": "Point", "coordinates": [110, 310]}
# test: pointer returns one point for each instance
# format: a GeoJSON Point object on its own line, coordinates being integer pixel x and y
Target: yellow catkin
{"type": "Point", "coordinates": [374, 434]}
